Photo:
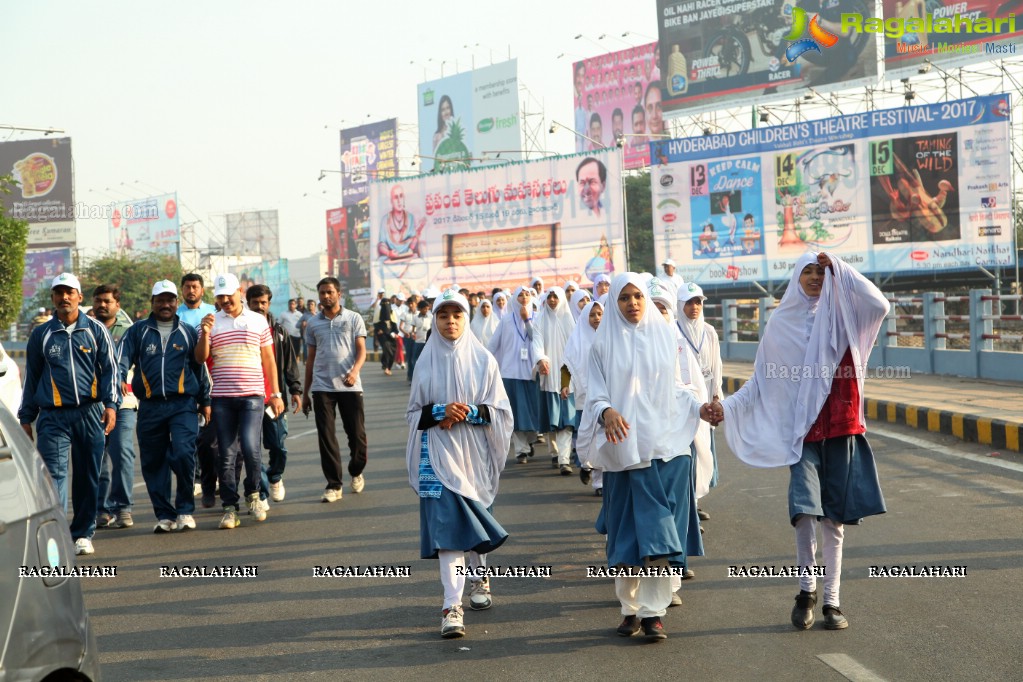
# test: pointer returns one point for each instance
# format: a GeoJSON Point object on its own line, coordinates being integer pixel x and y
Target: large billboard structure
{"type": "Point", "coordinates": [252, 233]}
{"type": "Point", "coordinates": [367, 151]}
{"type": "Point", "coordinates": [40, 269]}
{"type": "Point", "coordinates": [557, 218]}
{"type": "Point", "coordinates": [348, 248]}
{"type": "Point", "coordinates": [610, 94]}
{"type": "Point", "coordinates": [149, 224]}
{"type": "Point", "coordinates": [463, 116]}
{"type": "Point", "coordinates": [45, 195]}
{"type": "Point", "coordinates": [717, 53]}
{"type": "Point", "coordinates": [908, 190]}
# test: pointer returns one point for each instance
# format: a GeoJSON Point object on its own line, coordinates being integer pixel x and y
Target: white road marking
{"type": "Point", "coordinates": [848, 668]}
{"type": "Point", "coordinates": [302, 434]}
{"type": "Point", "coordinates": [933, 447]}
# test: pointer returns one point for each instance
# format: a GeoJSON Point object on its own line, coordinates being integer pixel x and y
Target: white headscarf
{"type": "Point", "coordinates": [499, 312]}
{"type": "Point", "coordinates": [577, 352]}
{"type": "Point", "coordinates": [806, 337]}
{"type": "Point", "coordinates": [634, 369]}
{"type": "Point", "coordinates": [550, 336]}
{"type": "Point", "coordinates": [467, 459]}
{"type": "Point", "coordinates": [570, 283]}
{"type": "Point", "coordinates": [510, 338]}
{"type": "Point", "coordinates": [573, 305]}
{"type": "Point", "coordinates": [484, 326]}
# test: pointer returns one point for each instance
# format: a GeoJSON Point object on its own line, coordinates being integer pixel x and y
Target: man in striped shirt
{"type": "Point", "coordinates": [241, 345]}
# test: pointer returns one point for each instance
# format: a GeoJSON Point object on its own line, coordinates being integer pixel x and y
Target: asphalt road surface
{"type": "Point", "coordinates": [285, 623]}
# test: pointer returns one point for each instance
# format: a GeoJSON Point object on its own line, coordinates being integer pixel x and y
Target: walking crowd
{"type": "Point", "coordinates": [621, 383]}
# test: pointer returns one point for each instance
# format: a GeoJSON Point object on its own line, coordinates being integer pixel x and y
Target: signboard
{"type": "Point", "coordinates": [348, 245]}
{"type": "Point", "coordinates": [367, 151]}
{"type": "Point", "coordinates": [150, 224]}
{"type": "Point", "coordinates": [610, 103]}
{"type": "Point", "coordinates": [912, 189]}
{"type": "Point", "coordinates": [273, 274]}
{"type": "Point", "coordinates": [557, 218]}
{"type": "Point", "coordinates": [716, 53]}
{"type": "Point", "coordinates": [252, 233]}
{"type": "Point", "coordinates": [40, 269]}
{"type": "Point", "coordinates": [466, 120]}
{"type": "Point", "coordinates": [44, 196]}
{"type": "Point", "coordinates": [947, 34]}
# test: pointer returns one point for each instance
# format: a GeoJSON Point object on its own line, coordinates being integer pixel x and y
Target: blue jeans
{"type": "Point", "coordinates": [167, 434]}
{"type": "Point", "coordinates": [75, 434]}
{"type": "Point", "coordinates": [238, 420]}
{"type": "Point", "coordinates": [274, 433]}
{"type": "Point", "coordinates": [119, 465]}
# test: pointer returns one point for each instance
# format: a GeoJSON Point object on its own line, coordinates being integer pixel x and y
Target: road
{"type": "Point", "coordinates": [287, 624]}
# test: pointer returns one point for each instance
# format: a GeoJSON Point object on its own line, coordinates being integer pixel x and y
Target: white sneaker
{"type": "Point", "coordinates": [277, 491]}
{"type": "Point", "coordinates": [479, 595]}
{"type": "Point", "coordinates": [331, 495]}
{"type": "Point", "coordinates": [84, 546]}
{"type": "Point", "coordinates": [164, 526]}
{"type": "Point", "coordinates": [197, 490]}
{"type": "Point", "coordinates": [358, 483]}
{"type": "Point", "coordinates": [256, 507]}
{"type": "Point", "coordinates": [452, 626]}
{"type": "Point", "coordinates": [265, 504]}
{"type": "Point", "coordinates": [230, 518]}
{"type": "Point", "coordinates": [184, 521]}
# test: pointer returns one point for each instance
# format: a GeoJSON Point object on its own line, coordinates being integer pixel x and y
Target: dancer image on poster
{"type": "Point", "coordinates": [399, 231]}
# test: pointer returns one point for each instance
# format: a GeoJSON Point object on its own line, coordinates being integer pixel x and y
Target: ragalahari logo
{"type": "Point", "coordinates": [818, 36]}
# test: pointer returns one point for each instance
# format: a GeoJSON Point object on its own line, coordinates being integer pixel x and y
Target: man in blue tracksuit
{"type": "Point", "coordinates": [173, 390]}
{"type": "Point", "coordinates": [71, 387]}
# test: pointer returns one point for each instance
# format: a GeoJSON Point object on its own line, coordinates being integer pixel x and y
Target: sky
{"type": "Point", "coordinates": [237, 105]}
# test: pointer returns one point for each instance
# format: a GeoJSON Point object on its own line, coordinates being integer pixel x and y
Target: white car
{"type": "Point", "coordinates": [10, 382]}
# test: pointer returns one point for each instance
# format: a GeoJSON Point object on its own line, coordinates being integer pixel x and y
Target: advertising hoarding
{"type": "Point", "coordinates": [717, 53]}
{"type": "Point", "coordinates": [557, 218]}
{"type": "Point", "coordinates": [348, 247]}
{"type": "Point", "coordinates": [609, 99]}
{"type": "Point", "coordinates": [465, 115]}
{"type": "Point", "coordinates": [150, 224]}
{"type": "Point", "coordinates": [367, 151]}
{"type": "Point", "coordinates": [273, 274]}
{"type": "Point", "coordinates": [44, 196]}
{"type": "Point", "coordinates": [252, 233]}
{"type": "Point", "coordinates": [40, 269]}
{"type": "Point", "coordinates": [914, 189]}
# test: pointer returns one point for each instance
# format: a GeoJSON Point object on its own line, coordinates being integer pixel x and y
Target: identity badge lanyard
{"type": "Point", "coordinates": [696, 349]}
{"type": "Point", "coordinates": [524, 352]}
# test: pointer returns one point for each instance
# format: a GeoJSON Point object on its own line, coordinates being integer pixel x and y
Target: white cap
{"type": "Point", "coordinates": [381, 291]}
{"type": "Point", "coordinates": [225, 285]}
{"type": "Point", "coordinates": [668, 261]}
{"type": "Point", "coordinates": [164, 286]}
{"type": "Point", "coordinates": [415, 292]}
{"type": "Point", "coordinates": [690, 291]}
{"type": "Point", "coordinates": [66, 279]}
{"type": "Point", "coordinates": [400, 296]}
{"type": "Point", "coordinates": [42, 310]}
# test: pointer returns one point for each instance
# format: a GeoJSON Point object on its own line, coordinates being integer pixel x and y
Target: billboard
{"type": "Point", "coordinates": [914, 189]}
{"type": "Point", "coordinates": [44, 196]}
{"type": "Point", "coordinates": [610, 93]}
{"type": "Point", "coordinates": [40, 269]}
{"type": "Point", "coordinates": [348, 243]}
{"type": "Point", "coordinates": [273, 274]}
{"type": "Point", "coordinates": [367, 151]}
{"type": "Point", "coordinates": [558, 218]}
{"type": "Point", "coordinates": [252, 233]}
{"type": "Point", "coordinates": [149, 224]}
{"type": "Point", "coordinates": [465, 115]}
{"type": "Point", "coordinates": [948, 33]}
{"type": "Point", "coordinates": [716, 53]}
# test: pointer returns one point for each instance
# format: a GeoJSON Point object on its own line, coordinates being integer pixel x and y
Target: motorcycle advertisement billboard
{"type": "Point", "coordinates": [557, 218]}
{"type": "Point", "coordinates": [716, 53]}
{"type": "Point", "coordinates": [913, 189]}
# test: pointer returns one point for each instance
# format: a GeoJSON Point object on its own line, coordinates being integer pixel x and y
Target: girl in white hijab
{"type": "Point", "coordinates": [459, 426]}
{"type": "Point", "coordinates": [803, 408]}
{"type": "Point", "coordinates": [579, 299]}
{"type": "Point", "coordinates": [512, 345]}
{"type": "Point", "coordinates": [484, 324]}
{"type": "Point", "coordinates": [500, 304]}
{"type": "Point", "coordinates": [577, 361]}
{"type": "Point", "coordinates": [637, 425]}
{"type": "Point", "coordinates": [557, 412]}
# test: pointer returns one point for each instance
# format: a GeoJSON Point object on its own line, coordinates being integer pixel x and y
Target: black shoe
{"type": "Point", "coordinates": [802, 612]}
{"type": "Point", "coordinates": [554, 462]}
{"type": "Point", "coordinates": [653, 629]}
{"type": "Point", "coordinates": [688, 574]}
{"type": "Point", "coordinates": [833, 618]}
{"type": "Point", "coordinates": [629, 627]}
{"type": "Point", "coordinates": [704, 516]}
{"type": "Point", "coordinates": [522, 458]}
{"type": "Point", "coordinates": [599, 492]}
{"type": "Point", "coordinates": [566, 469]}
{"type": "Point", "coordinates": [585, 475]}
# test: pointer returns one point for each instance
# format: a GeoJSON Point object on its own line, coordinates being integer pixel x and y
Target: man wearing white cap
{"type": "Point", "coordinates": [71, 387]}
{"type": "Point", "coordinates": [669, 274]}
{"type": "Point", "coordinates": [241, 345]}
{"type": "Point", "coordinates": [172, 389]}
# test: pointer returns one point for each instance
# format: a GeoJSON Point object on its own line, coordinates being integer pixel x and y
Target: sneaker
{"type": "Point", "coordinates": [277, 491]}
{"type": "Point", "coordinates": [164, 526]}
{"type": "Point", "coordinates": [84, 546]}
{"type": "Point", "coordinates": [802, 612]}
{"type": "Point", "coordinates": [676, 599]}
{"type": "Point", "coordinates": [209, 501]}
{"type": "Point", "coordinates": [331, 495]}
{"type": "Point", "coordinates": [358, 483]}
{"type": "Point", "coordinates": [264, 504]}
{"type": "Point", "coordinates": [124, 519]}
{"type": "Point", "coordinates": [522, 457]}
{"type": "Point", "coordinates": [629, 627]}
{"type": "Point", "coordinates": [256, 507]}
{"type": "Point", "coordinates": [585, 475]}
{"type": "Point", "coordinates": [833, 618]}
{"type": "Point", "coordinates": [184, 521]}
{"type": "Point", "coordinates": [688, 574]}
{"type": "Point", "coordinates": [105, 520]}
{"type": "Point", "coordinates": [554, 462]}
{"type": "Point", "coordinates": [599, 492]}
{"type": "Point", "coordinates": [566, 470]}
{"type": "Point", "coordinates": [230, 518]}
{"type": "Point", "coordinates": [196, 489]}
{"type": "Point", "coordinates": [653, 629]}
{"type": "Point", "coordinates": [704, 516]}
{"type": "Point", "coordinates": [479, 595]}
{"type": "Point", "coordinates": [452, 625]}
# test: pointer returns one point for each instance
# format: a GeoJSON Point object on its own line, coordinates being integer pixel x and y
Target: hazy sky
{"type": "Point", "coordinates": [237, 105]}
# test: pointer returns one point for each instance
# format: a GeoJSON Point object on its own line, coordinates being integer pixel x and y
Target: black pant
{"type": "Point", "coordinates": [206, 452]}
{"type": "Point", "coordinates": [353, 419]}
{"type": "Point", "coordinates": [387, 347]}
{"type": "Point", "coordinates": [296, 345]}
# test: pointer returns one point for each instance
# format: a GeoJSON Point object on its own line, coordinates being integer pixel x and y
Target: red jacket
{"type": "Point", "coordinates": [840, 415]}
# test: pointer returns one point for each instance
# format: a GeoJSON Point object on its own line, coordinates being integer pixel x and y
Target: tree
{"type": "Point", "coordinates": [13, 241]}
{"type": "Point", "coordinates": [134, 274]}
{"type": "Point", "coordinates": [641, 223]}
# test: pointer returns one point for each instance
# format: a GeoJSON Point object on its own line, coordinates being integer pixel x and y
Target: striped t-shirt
{"type": "Point", "coordinates": [235, 344]}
